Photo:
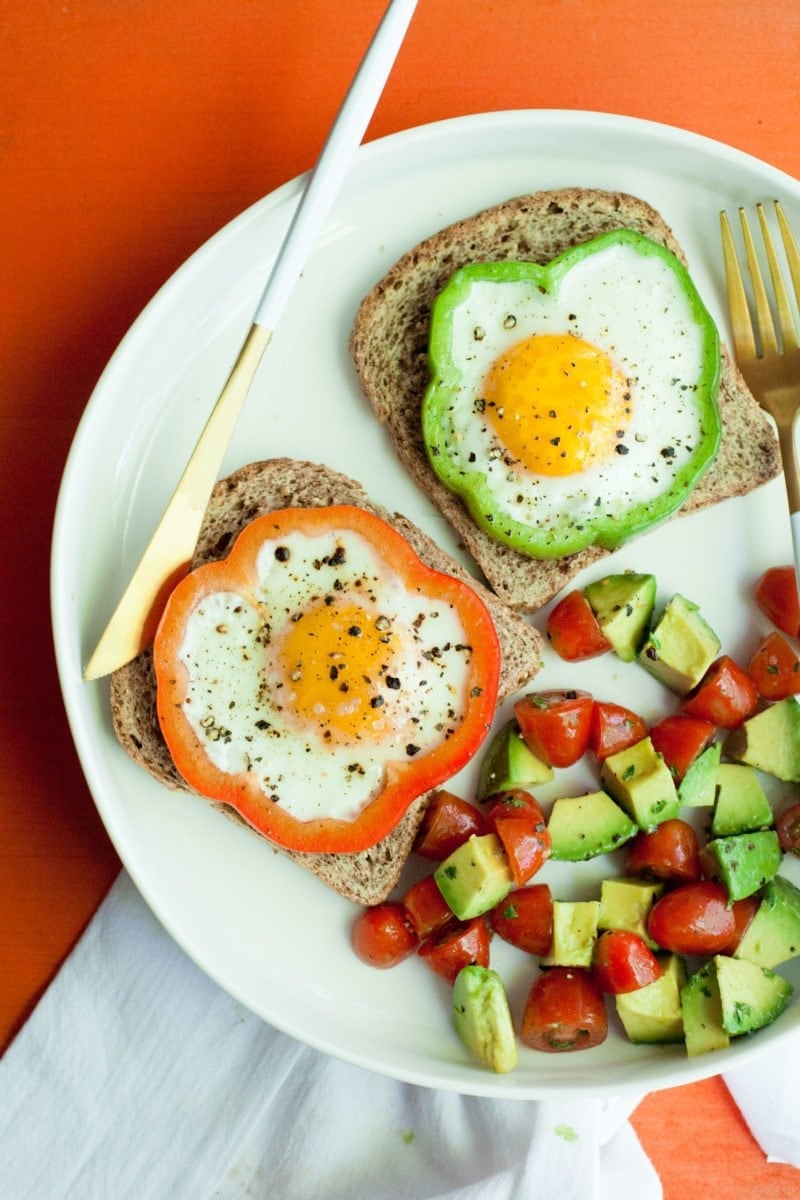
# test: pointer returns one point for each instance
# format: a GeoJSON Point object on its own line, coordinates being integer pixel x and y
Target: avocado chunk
{"type": "Point", "coordinates": [770, 741]}
{"type": "Point", "coordinates": [681, 646]}
{"type": "Point", "coordinates": [740, 804]}
{"type": "Point", "coordinates": [625, 904]}
{"type": "Point", "coordinates": [750, 996]}
{"type": "Point", "coordinates": [623, 605]}
{"type": "Point", "coordinates": [640, 780]}
{"type": "Point", "coordinates": [574, 933]}
{"type": "Point", "coordinates": [698, 786]}
{"type": "Point", "coordinates": [474, 877]}
{"type": "Point", "coordinates": [773, 935]}
{"type": "Point", "coordinates": [582, 827]}
{"type": "Point", "coordinates": [744, 862]}
{"type": "Point", "coordinates": [482, 1018]}
{"type": "Point", "coordinates": [701, 1009]}
{"type": "Point", "coordinates": [653, 1013]}
{"type": "Point", "coordinates": [510, 763]}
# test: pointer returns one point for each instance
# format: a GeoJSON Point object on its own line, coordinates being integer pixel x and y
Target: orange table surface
{"type": "Point", "coordinates": [131, 131]}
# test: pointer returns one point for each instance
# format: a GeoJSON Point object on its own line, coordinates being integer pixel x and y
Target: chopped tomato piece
{"type": "Point", "coordinates": [622, 962]}
{"type": "Point", "coordinates": [693, 919]}
{"type": "Point", "coordinates": [670, 851]}
{"type": "Point", "coordinates": [556, 725]}
{"type": "Point", "coordinates": [680, 739]}
{"type": "Point", "coordinates": [513, 803]}
{"type": "Point", "coordinates": [382, 936]}
{"type": "Point", "coordinates": [565, 1010]}
{"type": "Point", "coordinates": [614, 728]}
{"type": "Point", "coordinates": [726, 695]}
{"type": "Point", "coordinates": [573, 629]}
{"type": "Point", "coordinates": [743, 912]}
{"type": "Point", "coordinates": [775, 668]}
{"type": "Point", "coordinates": [463, 944]}
{"type": "Point", "coordinates": [527, 846]}
{"type": "Point", "coordinates": [788, 829]}
{"type": "Point", "coordinates": [427, 909]}
{"type": "Point", "coordinates": [447, 823]}
{"type": "Point", "coordinates": [525, 919]}
{"type": "Point", "coordinates": [775, 593]}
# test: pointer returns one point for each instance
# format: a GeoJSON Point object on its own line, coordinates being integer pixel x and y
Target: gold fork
{"type": "Point", "coordinates": [770, 367]}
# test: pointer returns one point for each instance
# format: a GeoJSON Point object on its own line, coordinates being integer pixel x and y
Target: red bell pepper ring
{"type": "Point", "coordinates": [404, 780]}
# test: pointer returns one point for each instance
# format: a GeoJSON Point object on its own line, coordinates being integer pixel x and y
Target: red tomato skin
{"type": "Point", "coordinates": [614, 728]}
{"type": "Point", "coordinates": [573, 630]}
{"type": "Point", "coordinates": [565, 1011]}
{"type": "Point", "coordinates": [462, 944]}
{"type": "Point", "coordinates": [743, 912]}
{"type": "Point", "coordinates": [671, 851]}
{"type": "Point", "coordinates": [680, 739]}
{"type": "Point", "coordinates": [525, 919]}
{"type": "Point", "coordinates": [556, 725]}
{"type": "Point", "coordinates": [623, 963]}
{"type": "Point", "coordinates": [725, 696]}
{"type": "Point", "coordinates": [775, 668]}
{"type": "Point", "coordinates": [448, 822]}
{"type": "Point", "coordinates": [426, 907]}
{"type": "Point", "coordinates": [513, 803]}
{"type": "Point", "coordinates": [693, 919]}
{"type": "Point", "coordinates": [382, 936]}
{"type": "Point", "coordinates": [775, 593]}
{"type": "Point", "coordinates": [527, 846]}
{"type": "Point", "coordinates": [788, 829]}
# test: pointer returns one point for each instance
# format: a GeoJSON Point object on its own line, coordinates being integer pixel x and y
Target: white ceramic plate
{"type": "Point", "coordinates": [268, 932]}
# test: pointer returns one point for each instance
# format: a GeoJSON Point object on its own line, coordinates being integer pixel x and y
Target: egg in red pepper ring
{"type": "Point", "coordinates": [322, 677]}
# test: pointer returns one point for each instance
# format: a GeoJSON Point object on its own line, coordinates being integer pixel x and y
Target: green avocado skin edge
{"type": "Point", "coordinates": [606, 531]}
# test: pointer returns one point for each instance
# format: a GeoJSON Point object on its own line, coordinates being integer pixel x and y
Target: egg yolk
{"type": "Point", "coordinates": [557, 403]}
{"type": "Point", "coordinates": [336, 666]}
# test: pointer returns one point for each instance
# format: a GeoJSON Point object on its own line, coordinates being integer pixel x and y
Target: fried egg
{"type": "Point", "coordinates": [573, 404]}
{"type": "Point", "coordinates": [331, 671]}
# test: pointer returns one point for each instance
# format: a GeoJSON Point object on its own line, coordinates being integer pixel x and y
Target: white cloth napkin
{"type": "Point", "coordinates": [137, 1077]}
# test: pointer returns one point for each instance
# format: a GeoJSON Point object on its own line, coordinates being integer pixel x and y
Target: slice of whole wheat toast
{"type": "Point", "coordinates": [389, 342]}
{"type": "Point", "coordinates": [262, 487]}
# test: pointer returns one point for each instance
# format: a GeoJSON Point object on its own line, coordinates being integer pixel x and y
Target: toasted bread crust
{"type": "Point", "coordinates": [369, 876]}
{"type": "Point", "coordinates": [388, 345]}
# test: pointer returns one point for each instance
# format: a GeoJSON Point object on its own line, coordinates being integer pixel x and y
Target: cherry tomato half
{"type": "Point", "coordinates": [614, 728]}
{"type": "Point", "coordinates": [743, 912]}
{"type": "Point", "coordinates": [382, 936]}
{"type": "Point", "coordinates": [680, 739]}
{"type": "Point", "coordinates": [726, 695]}
{"type": "Point", "coordinates": [693, 919]}
{"type": "Point", "coordinates": [556, 725]}
{"type": "Point", "coordinates": [427, 909]}
{"type": "Point", "coordinates": [775, 668]}
{"type": "Point", "coordinates": [775, 593]}
{"type": "Point", "coordinates": [670, 851]}
{"type": "Point", "coordinates": [623, 963]}
{"type": "Point", "coordinates": [788, 829]}
{"type": "Point", "coordinates": [513, 803]}
{"type": "Point", "coordinates": [462, 944]}
{"type": "Point", "coordinates": [573, 629]}
{"type": "Point", "coordinates": [526, 843]}
{"type": "Point", "coordinates": [565, 1010]}
{"type": "Point", "coordinates": [525, 919]}
{"type": "Point", "coordinates": [447, 823]}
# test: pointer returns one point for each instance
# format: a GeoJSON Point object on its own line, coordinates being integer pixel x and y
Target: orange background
{"type": "Point", "coordinates": [131, 131]}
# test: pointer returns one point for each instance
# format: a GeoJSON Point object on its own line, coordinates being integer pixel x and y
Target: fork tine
{"type": "Point", "coordinates": [766, 328]}
{"type": "Point", "coordinates": [790, 246]}
{"type": "Point", "coordinates": [785, 318]}
{"type": "Point", "coordinates": [743, 341]}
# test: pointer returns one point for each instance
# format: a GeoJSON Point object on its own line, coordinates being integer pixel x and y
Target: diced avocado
{"type": "Point", "coordinates": [625, 904]}
{"type": "Point", "coordinates": [582, 827]}
{"type": "Point", "coordinates": [474, 877]}
{"type": "Point", "coordinates": [701, 1009]}
{"type": "Point", "coordinates": [698, 786]}
{"type": "Point", "coordinates": [751, 996]}
{"type": "Point", "coordinates": [680, 647]}
{"type": "Point", "coordinates": [574, 933]}
{"type": "Point", "coordinates": [482, 1018]}
{"type": "Point", "coordinates": [773, 935]}
{"type": "Point", "coordinates": [653, 1013]}
{"type": "Point", "coordinates": [740, 805]}
{"type": "Point", "coordinates": [509, 763]}
{"type": "Point", "coordinates": [744, 862]}
{"type": "Point", "coordinates": [623, 605]}
{"type": "Point", "coordinates": [640, 780]}
{"type": "Point", "coordinates": [770, 740]}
